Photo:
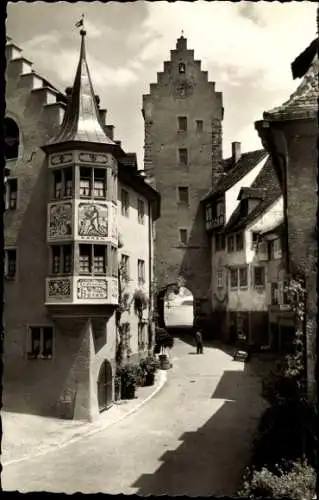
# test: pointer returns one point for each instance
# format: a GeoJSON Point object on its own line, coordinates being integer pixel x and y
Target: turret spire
{"type": "Point", "coordinates": [82, 120]}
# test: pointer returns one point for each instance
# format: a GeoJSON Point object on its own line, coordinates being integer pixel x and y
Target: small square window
{"type": "Point", "coordinates": [199, 125]}
{"type": "Point", "coordinates": [183, 196]}
{"type": "Point", "coordinates": [183, 236]}
{"type": "Point", "coordinates": [182, 123]}
{"type": "Point", "coordinates": [41, 342]}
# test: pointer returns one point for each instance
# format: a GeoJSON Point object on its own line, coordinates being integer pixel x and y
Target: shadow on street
{"type": "Point", "coordinates": [211, 460]}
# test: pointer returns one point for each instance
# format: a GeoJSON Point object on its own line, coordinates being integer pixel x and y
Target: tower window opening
{"type": "Point", "coordinates": [182, 68]}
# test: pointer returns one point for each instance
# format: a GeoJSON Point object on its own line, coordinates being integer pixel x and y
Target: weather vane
{"type": "Point", "coordinates": [80, 24]}
{"type": "Point", "coordinates": [182, 33]}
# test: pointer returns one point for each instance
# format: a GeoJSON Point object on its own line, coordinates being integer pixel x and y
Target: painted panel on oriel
{"type": "Point", "coordinates": [60, 221]}
{"type": "Point", "coordinates": [93, 221]}
{"type": "Point", "coordinates": [114, 229]}
{"type": "Point", "coordinates": [88, 289]}
{"type": "Point", "coordinates": [59, 288]}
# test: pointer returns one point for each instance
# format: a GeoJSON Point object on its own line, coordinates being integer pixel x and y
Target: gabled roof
{"type": "Point", "coordinates": [82, 122]}
{"type": "Point", "coordinates": [303, 103]}
{"type": "Point", "coordinates": [266, 179]}
{"type": "Point", "coordinates": [234, 173]}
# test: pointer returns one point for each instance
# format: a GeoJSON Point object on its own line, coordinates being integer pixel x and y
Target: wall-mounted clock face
{"type": "Point", "coordinates": [184, 89]}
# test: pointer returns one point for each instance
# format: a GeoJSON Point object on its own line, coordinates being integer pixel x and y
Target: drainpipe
{"type": "Point", "coordinates": [150, 273]}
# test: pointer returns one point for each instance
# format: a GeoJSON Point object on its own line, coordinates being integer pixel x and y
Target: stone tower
{"type": "Point", "coordinates": [182, 156]}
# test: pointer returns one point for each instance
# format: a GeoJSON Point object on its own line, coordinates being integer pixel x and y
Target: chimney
{"type": "Point", "coordinates": [236, 151]}
{"type": "Point", "coordinates": [109, 129]}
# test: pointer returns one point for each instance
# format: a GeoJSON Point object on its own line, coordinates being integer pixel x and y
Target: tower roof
{"type": "Point", "coordinates": [82, 121]}
{"type": "Point", "coordinates": [303, 103]}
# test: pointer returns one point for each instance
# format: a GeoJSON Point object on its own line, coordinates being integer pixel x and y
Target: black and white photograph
{"type": "Point", "coordinates": [159, 261]}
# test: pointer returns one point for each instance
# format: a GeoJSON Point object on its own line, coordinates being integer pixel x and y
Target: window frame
{"type": "Point", "coordinates": [220, 279]}
{"type": "Point", "coordinates": [199, 129]}
{"type": "Point", "coordinates": [91, 182]}
{"type": "Point", "coordinates": [183, 158]}
{"type": "Point", "coordinates": [180, 120]}
{"type": "Point", "coordinates": [125, 259]}
{"type": "Point", "coordinates": [125, 202]}
{"type": "Point", "coordinates": [263, 274]}
{"type": "Point", "coordinates": [141, 213]}
{"type": "Point", "coordinates": [232, 239]}
{"type": "Point", "coordinates": [17, 138]}
{"type": "Point", "coordinates": [240, 269]}
{"type": "Point", "coordinates": [233, 270]}
{"type": "Point", "coordinates": [141, 271]}
{"type": "Point", "coordinates": [181, 68]}
{"type": "Point", "coordinates": [274, 297]}
{"type": "Point", "coordinates": [9, 192]}
{"type": "Point", "coordinates": [8, 276]}
{"type": "Point", "coordinates": [33, 353]}
{"type": "Point", "coordinates": [91, 259]}
{"type": "Point", "coordinates": [183, 230]}
{"type": "Point", "coordinates": [239, 237]}
{"type": "Point", "coordinates": [185, 190]}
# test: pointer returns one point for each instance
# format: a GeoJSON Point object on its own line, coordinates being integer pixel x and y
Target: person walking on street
{"type": "Point", "coordinates": [199, 341]}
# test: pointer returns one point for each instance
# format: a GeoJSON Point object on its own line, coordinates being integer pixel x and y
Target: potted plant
{"type": "Point", "coordinates": [164, 341]}
{"type": "Point", "coordinates": [128, 376]}
{"type": "Point", "coordinates": [140, 302]}
{"type": "Point", "coordinates": [149, 367]}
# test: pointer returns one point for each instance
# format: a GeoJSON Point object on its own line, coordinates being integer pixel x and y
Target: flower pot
{"type": "Point", "coordinates": [149, 379]}
{"type": "Point", "coordinates": [128, 392]}
{"type": "Point", "coordinates": [164, 362]}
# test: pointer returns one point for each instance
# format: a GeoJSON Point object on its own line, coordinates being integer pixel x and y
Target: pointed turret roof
{"type": "Point", "coordinates": [303, 103]}
{"type": "Point", "coordinates": [82, 121]}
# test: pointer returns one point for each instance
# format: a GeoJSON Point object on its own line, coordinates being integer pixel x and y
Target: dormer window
{"type": "Point", "coordinates": [182, 67]}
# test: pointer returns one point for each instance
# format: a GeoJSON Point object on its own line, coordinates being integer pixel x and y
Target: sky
{"type": "Point", "coordinates": [246, 47]}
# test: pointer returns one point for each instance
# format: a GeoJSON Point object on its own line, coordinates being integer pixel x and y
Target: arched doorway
{"type": "Point", "coordinates": [178, 308]}
{"type": "Point", "coordinates": [104, 386]}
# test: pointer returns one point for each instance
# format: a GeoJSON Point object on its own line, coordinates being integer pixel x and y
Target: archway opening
{"type": "Point", "coordinates": [11, 139]}
{"type": "Point", "coordinates": [104, 386]}
{"type": "Point", "coordinates": [178, 308]}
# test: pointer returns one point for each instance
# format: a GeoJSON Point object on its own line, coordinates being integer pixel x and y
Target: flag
{"type": "Point", "coordinates": [79, 23]}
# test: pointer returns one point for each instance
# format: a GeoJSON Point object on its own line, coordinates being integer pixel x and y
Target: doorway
{"type": "Point", "coordinates": [104, 386]}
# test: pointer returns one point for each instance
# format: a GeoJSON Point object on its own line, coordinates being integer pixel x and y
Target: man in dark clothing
{"type": "Point", "coordinates": [199, 341]}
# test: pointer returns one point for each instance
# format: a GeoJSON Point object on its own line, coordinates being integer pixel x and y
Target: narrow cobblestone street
{"type": "Point", "coordinates": [193, 438]}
